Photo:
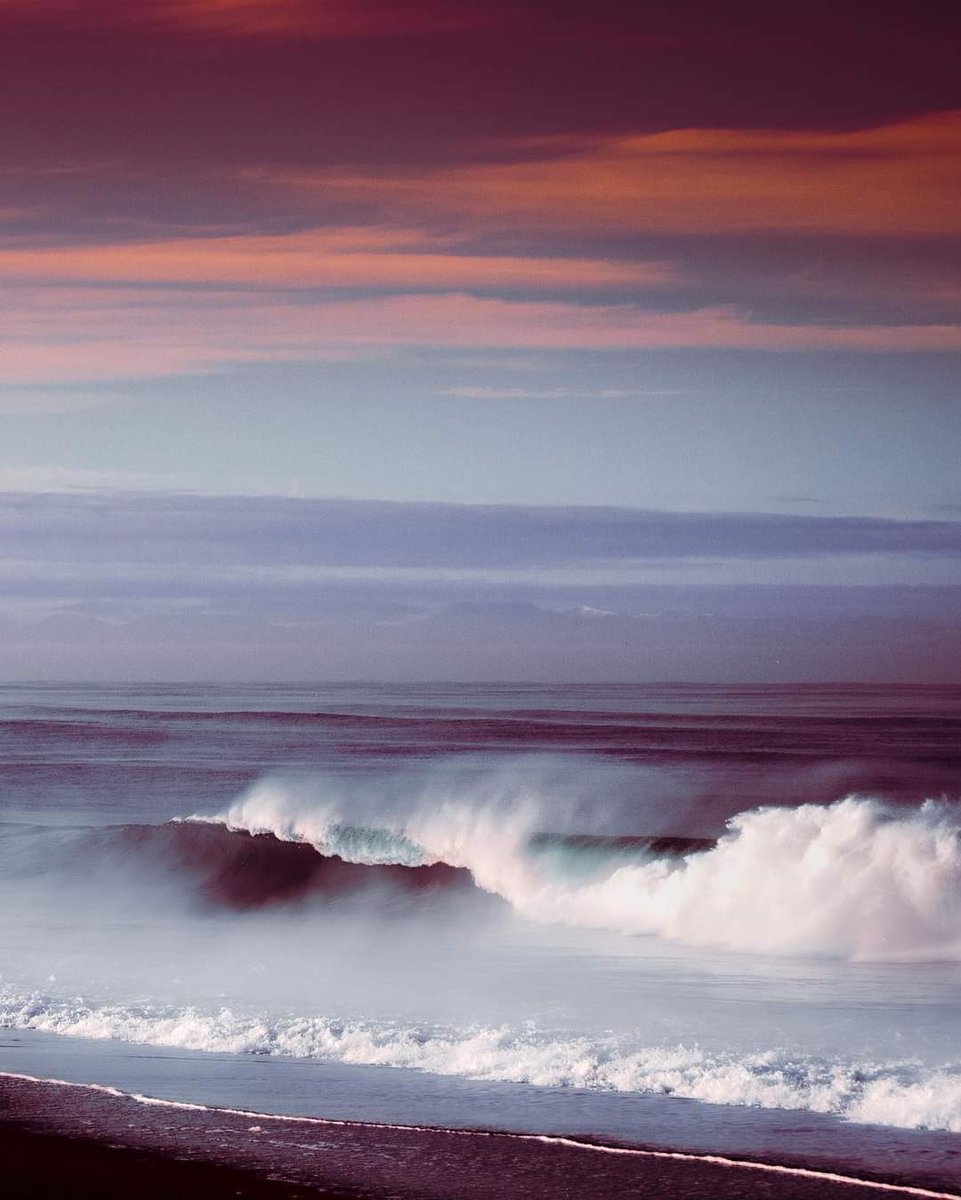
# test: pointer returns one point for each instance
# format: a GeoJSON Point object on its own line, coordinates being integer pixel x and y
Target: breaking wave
{"type": "Point", "coordinates": [856, 879]}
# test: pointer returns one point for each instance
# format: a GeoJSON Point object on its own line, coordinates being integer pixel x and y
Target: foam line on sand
{"type": "Point", "coordinates": [591, 1147]}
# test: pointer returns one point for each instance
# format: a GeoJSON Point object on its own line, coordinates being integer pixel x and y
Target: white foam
{"type": "Point", "coordinates": [899, 1094]}
{"type": "Point", "coordinates": [855, 879]}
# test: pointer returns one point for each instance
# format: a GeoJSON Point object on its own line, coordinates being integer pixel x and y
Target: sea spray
{"type": "Point", "coordinates": [855, 879]}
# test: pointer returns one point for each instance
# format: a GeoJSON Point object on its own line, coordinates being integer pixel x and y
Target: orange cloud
{"type": "Point", "coordinates": [242, 18]}
{"type": "Point", "coordinates": [85, 335]}
{"type": "Point", "coordinates": [898, 179]}
{"type": "Point", "coordinates": [335, 258]}
{"type": "Point", "coordinates": [333, 18]}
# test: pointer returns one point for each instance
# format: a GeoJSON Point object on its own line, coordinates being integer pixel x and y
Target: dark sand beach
{"type": "Point", "coordinates": [69, 1140]}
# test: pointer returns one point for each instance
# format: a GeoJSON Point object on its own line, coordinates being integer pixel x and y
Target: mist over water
{"type": "Point", "coordinates": [595, 898]}
{"type": "Point", "coordinates": [856, 879]}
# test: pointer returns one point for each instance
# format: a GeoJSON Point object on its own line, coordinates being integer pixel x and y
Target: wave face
{"type": "Point", "coordinates": [856, 879]}
{"type": "Point", "coordinates": [249, 870]}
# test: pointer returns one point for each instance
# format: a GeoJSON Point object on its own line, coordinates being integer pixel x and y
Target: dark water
{"type": "Point", "coordinates": [165, 749]}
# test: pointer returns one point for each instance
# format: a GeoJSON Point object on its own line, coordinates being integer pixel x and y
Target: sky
{"type": "Point", "coordinates": [421, 340]}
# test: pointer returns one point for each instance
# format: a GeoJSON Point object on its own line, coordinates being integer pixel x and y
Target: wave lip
{"type": "Point", "coordinates": [244, 870]}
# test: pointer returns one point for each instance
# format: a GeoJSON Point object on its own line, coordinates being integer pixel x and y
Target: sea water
{"type": "Point", "coordinates": [708, 917]}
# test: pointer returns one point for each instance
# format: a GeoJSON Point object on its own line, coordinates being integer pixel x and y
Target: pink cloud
{"type": "Point", "coordinates": [897, 179]}
{"type": "Point", "coordinates": [80, 334]}
{"type": "Point", "coordinates": [322, 258]}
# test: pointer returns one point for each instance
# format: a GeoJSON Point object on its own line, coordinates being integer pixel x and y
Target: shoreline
{"type": "Point", "coordinates": [55, 1134]}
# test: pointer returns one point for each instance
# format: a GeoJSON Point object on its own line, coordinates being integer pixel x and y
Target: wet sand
{"type": "Point", "coordinates": [44, 1166]}
{"type": "Point", "coordinates": [66, 1140]}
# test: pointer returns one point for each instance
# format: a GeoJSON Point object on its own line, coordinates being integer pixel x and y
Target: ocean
{"type": "Point", "coordinates": [712, 919]}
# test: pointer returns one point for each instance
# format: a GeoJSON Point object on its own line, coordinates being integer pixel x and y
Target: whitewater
{"type": "Point", "coordinates": [739, 898]}
{"type": "Point", "coordinates": [856, 878]}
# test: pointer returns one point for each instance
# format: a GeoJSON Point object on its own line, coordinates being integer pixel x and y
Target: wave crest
{"type": "Point", "coordinates": [856, 879]}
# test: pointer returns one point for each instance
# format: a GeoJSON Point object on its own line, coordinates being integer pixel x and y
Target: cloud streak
{"type": "Point", "coordinates": [372, 258]}
{"type": "Point", "coordinates": [897, 179]}
{"type": "Point", "coordinates": [84, 335]}
{"type": "Point", "coordinates": [179, 529]}
{"type": "Point", "coordinates": [254, 18]}
{"type": "Point", "coordinates": [456, 254]}
{"type": "Point", "coordinates": [108, 584]}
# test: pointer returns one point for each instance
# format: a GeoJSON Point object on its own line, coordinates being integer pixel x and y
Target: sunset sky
{"type": "Point", "coordinates": [363, 338]}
